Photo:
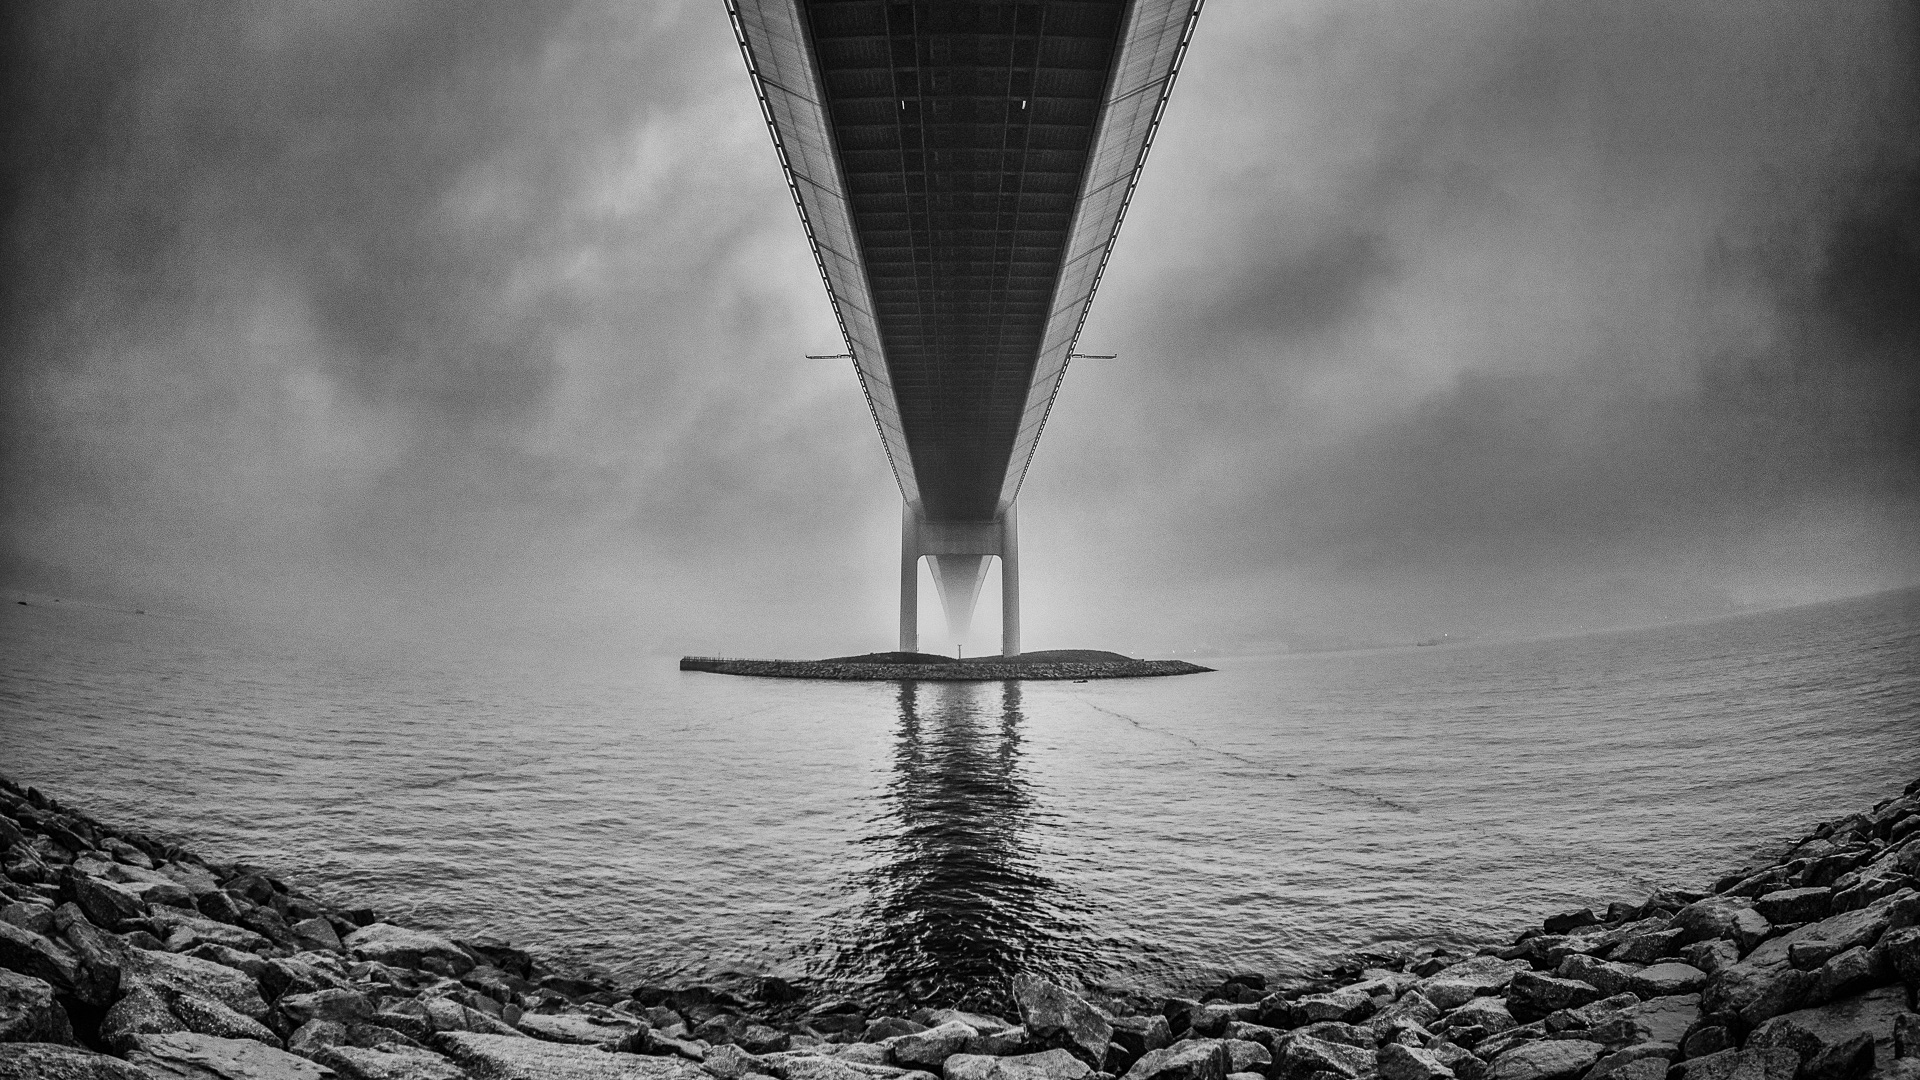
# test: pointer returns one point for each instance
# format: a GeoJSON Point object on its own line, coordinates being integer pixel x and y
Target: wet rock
{"type": "Point", "coordinates": [171, 975]}
{"type": "Point", "coordinates": [197, 880]}
{"type": "Point", "coordinates": [1546, 1059]}
{"type": "Point", "coordinates": [979, 1022]}
{"type": "Point", "coordinates": [28, 1012]}
{"type": "Point", "coordinates": [1058, 1018]}
{"type": "Point", "coordinates": [1722, 917]}
{"type": "Point", "coordinates": [1711, 956]}
{"type": "Point", "coordinates": [397, 1063]}
{"type": "Point", "coordinates": [222, 906]}
{"type": "Point", "coordinates": [269, 924]}
{"type": "Point", "coordinates": [1347, 1005]}
{"type": "Point", "coordinates": [1007, 1041]}
{"type": "Point", "coordinates": [577, 1028]}
{"type": "Point", "coordinates": [497, 1057]}
{"type": "Point", "coordinates": [1413, 1008]}
{"type": "Point", "coordinates": [1707, 1039]}
{"type": "Point", "coordinates": [1194, 1059]}
{"type": "Point", "coordinates": [48, 1061]}
{"type": "Point", "coordinates": [1569, 920]}
{"type": "Point", "coordinates": [1490, 1013]}
{"type": "Point", "coordinates": [1532, 995]}
{"type": "Point", "coordinates": [1663, 980]}
{"type": "Point", "coordinates": [886, 1027]}
{"type": "Point", "coordinates": [398, 946]}
{"type": "Point", "coordinates": [929, 1049]}
{"type": "Point", "coordinates": [1749, 1064]}
{"type": "Point", "coordinates": [1795, 905]}
{"type": "Point", "coordinates": [1397, 1062]}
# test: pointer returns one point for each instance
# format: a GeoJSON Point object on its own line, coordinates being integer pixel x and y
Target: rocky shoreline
{"type": "Point", "coordinates": [969, 671]}
{"type": "Point", "coordinates": [126, 957]}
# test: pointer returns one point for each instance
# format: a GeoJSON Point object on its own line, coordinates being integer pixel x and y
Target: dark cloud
{"type": "Point", "coordinates": [1518, 316]}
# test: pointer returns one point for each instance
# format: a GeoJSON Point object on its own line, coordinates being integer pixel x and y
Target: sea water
{"type": "Point", "coordinates": [1144, 834]}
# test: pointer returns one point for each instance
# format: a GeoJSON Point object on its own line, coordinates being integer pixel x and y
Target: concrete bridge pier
{"type": "Point", "coordinates": [958, 553]}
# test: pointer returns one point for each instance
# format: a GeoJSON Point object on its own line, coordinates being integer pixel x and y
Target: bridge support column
{"type": "Point", "coordinates": [1009, 585]}
{"type": "Point", "coordinates": [909, 579]}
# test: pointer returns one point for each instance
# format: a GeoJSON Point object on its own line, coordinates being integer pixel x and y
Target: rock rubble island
{"type": "Point", "coordinates": [123, 956]}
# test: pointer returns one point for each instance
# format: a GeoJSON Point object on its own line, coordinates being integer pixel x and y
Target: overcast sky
{"type": "Point", "coordinates": [1478, 318]}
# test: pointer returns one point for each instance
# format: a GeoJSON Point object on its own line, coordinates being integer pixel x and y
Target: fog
{"type": "Point", "coordinates": [487, 321]}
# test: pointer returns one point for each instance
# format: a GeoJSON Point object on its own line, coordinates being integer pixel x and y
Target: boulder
{"type": "Point", "coordinates": [1349, 1004]}
{"type": "Point", "coordinates": [197, 880]}
{"type": "Point", "coordinates": [980, 1022]}
{"type": "Point", "coordinates": [499, 1057]}
{"type": "Point", "coordinates": [142, 1012]}
{"type": "Point", "coordinates": [1193, 1059]}
{"type": "Point", "coordinates": [1532, 995]}
{"type": "Point", "coordinates": [399, 947]}
{"type": "Point", "coordinates": [98, 951]}
{"type": "Point", "coordinates": [1646, 948]}
{"type": "Point", "coordinates": [1898, 952]}
{"type": "Point", "coordinates": [28, 953]}
{"type": "Point", "coordinates": [1732, 918]}
{"type": "Point", "coordinates": [1244, 1055]}
{"type": "Point", "coordinates": [340, 1005]}
{"type": "Point", "coordinates": [1711, 956]}
{"type": "Point", "coordinates": [1753, 1063]}
{"type": "Point", "coordinates": [182, 931]}
{"type": "Point", "coordinates": [1665, 980]}
{"type": "Point", "coordinates": [1457, 984]}
{"type": "Point", "coordinates": [1795, 905]}
{"type": "Point", "coordinates": [881, 1028]}
{"type": "Point", "coordinates": [1305, 1055]}
{"type": "Point", "coordinates": [1260, 1033]}
{"type": "Point", "coordinates": [1412, 1008]}
{"type": "Point", "coordinates": [1058, 1018]}
{"type": "Point", "coordinates": [1139, 1034]}
{"type": "Point", "coordinates": [929, 1049]}
{"type": "Point", "coordinates": [191, 1056]}
{"type": "Point", "coordinates": [37, 918]}
{"type": "Point", "coordinates": [106, 903]}
{"type": "Point", "coordinates": [316, 935]}
{"type": "Point", "coordinates": [28, 1012]}
{"type": "Point", "coordinates": [316, 1035]}
{"type": "Point", "coordinates": [1605, 976]}
{"type": "Point", "coordinates": [160, 894]}
{"type": "Point", "coordinates": [1810, 1032]}
{"type": "Point", "coordinates": [1656, 1020]}
{"type": "Point", "coordinates": [1050, 1064]}
{"type": "Point", "coordinates": [1336, 1032]}
{"type": "Point", "coordinates": [49, 1061]}
{"type": "Point", "coordinates": [577, 1028]}
{"type": "Point", "coordinates": [389, 1063]}
{"type": "Point", "coordinates": [1397, 1062]}
{"type": "Point", "coordinates": [1546, 1059]}
{"type": "Point", "coordinates": [171, 975]}
{"type": "Point", "coordinates": [1620, 1059]}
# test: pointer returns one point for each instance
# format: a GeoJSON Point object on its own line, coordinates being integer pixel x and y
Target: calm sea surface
{"type": "Point", "coordinates": [1147, 833]}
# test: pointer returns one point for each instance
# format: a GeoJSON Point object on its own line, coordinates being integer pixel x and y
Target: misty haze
{"type": "Point", "coordinates": [511, 563]}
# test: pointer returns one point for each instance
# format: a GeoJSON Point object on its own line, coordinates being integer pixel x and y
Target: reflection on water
{"type": "Point", "coordinates": [959, 900]}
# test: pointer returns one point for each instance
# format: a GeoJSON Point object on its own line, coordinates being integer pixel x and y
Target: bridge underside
{"type": "Point", "coordinates": [962, 170]}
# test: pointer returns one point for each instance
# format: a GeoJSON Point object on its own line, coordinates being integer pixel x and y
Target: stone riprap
{"type": "Point", "coordinates": [970, 671]}
{"type": "Point", "coordinates": [124, 956]}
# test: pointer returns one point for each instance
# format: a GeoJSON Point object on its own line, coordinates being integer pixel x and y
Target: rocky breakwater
{"type": "Point", "coordinates": [126, 957]}
{"type": "Point", "coordinates": [1058, 664]}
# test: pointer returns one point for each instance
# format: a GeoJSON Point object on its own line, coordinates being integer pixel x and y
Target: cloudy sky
{"type": "Point", "coordinates": [1467, 317]}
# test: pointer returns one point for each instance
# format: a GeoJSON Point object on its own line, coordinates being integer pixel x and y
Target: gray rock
{"type": "Point", "coordinates": [397, 1063]}
{"type": "Point", "coordinates": [727, 1062]}
{"type": "Point", "coordinates": [1906, 1036]}
{"type": "Point", "coordinates": [1711, 956]}
{"type": "Point", "coordinates": [498, 1057]}
{"type": "Point", "coordinates": [1607, 977]}
{"type": "Point", "coordinates": [159, 894]}
{"type": "Point", "coordinates": [1546, 1059]}
{"type": "Point", "coordinates": [1808, 1032]}
{"type": "Point", "coordinates": [1532, 995]}
{"type": "Point", "coordinates": [170, 975]}
{"type": "Point", "coordinates": [37, 918]}
{"type": "Point", "coordinates": [1754, 1063]}
{"type": "Point", "coordinates": [316, 935]}
{"type": "Point", "coordinates": [183, 931]}
{"type": "Point", "coordinates": [1268, 1037]}
{"type": "Point", "coordinates": [1244, 1055]}
{"type": "Point", "coordinates": [99, 954]}
{"type": "Point", "coordinates": [1646, 948]}
{"type": "Point", "coordinates": [34, 954]}
{"type": "Point", "coordinates": [1707, 1039]}
{"type": "Point", "coordinates": [1348, 1005]}
{"type": "Point", "coordinates": [205, 1016]}
{"type": "Point", "coordinates": [1732, 918]}
{"type": "Point", "coordinates": [1336, 1032]}
{"type": "Point", "coordinates": [1194, 1059]}
{"type": "Point", "coordinates": [1899, 951]}
{"type": "Point", "coordinates": [197, 880]}
{"type": "Point", "coordinates": [577, 1028]}
{"type": "Point", "coordinates": [1397, 1062]}
{"type": "Point", "coordinates": [1795, 905]}
{"type": "Point", "coordinates": [49, 1061]}
{"type": "Point", "coordinates": [886, 1027]}
{"type": "Point", "coordinates": [1058, 1018]}
{"type": "Point", "coordinates": [28, 1012]}
{"type": "Point", "coordinates": [1413, 1008]}
{"type": "Point", "coordinates": [931, 1048]}
{"type": "Point", "coordinates": [1611, 1063]}
{"type": "Point", "coordinates": [399, 947]}
{"type": "Point", "coordinates": [1657, 1020]}
{"type": "Point", "coordinates": [142, 1012]}
{"type": "Point", "coordinates": [1460, 983]}
{"type": "Point", "coordinates": [343, 1006]}
{"type": "Point", "coordinates": [1664, 980]}
{"type": "Point", "coordinates": [1487, 1012]}
{"type": "Point", "coordinates": [1051, 1064]}
{"type": "Point", "coordinates": [979, 1022]}
{"type": "Point", "coordinates": [106, 903]}
{"type": "Point", "coordinates": [316, 1035]}
{"type": "Point", "coordinates": [190, 1056]}
{"type": "Point", "coordinates": [1139, 1034]}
